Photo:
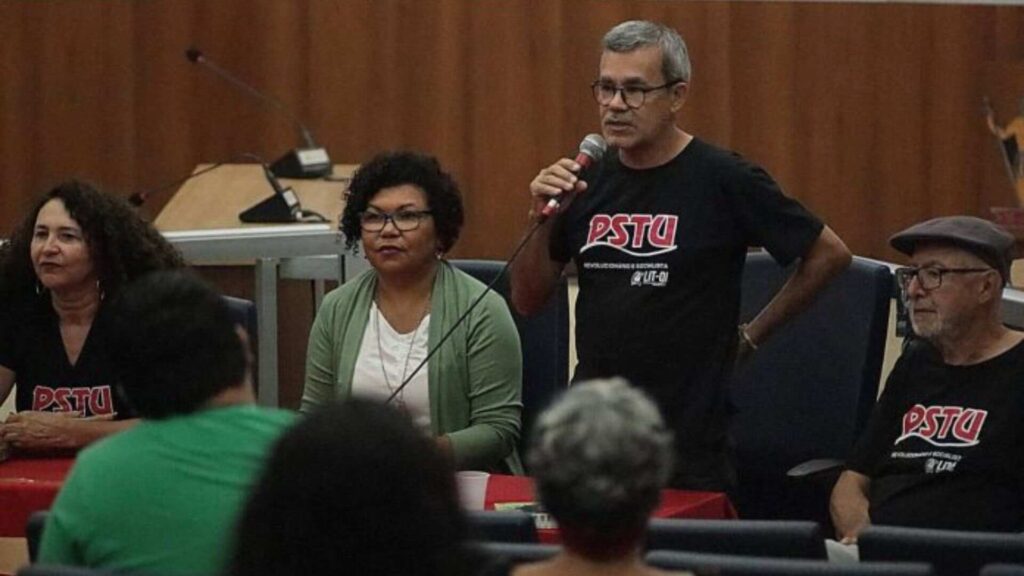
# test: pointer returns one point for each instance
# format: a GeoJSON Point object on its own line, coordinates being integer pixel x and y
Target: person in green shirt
{"type": "Point", "coordinates": [163, 496]}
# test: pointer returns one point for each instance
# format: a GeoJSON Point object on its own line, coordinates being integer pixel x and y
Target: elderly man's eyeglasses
{"type": "Point", "coordinates": [930, 277]}
{"type": "Point", "coordinates": [404, 220]}
{"type": "Point", "coordinates": [633, 96]}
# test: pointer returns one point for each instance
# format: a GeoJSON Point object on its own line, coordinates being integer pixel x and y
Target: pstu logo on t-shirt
{"type": "Point", "coordinates": [642, 235]}
{"type": "Point", "coordinates": [85, 401]}
{"type": "Point", "coordinates": [943, 425]}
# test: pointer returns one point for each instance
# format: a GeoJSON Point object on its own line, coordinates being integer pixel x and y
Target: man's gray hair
{"type": "Point", "coordinates": [601, 455]}
{"type": "Point", "coordinates": [628, 36]}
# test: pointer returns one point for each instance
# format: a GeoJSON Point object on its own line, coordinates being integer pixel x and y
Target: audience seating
{"type": "Point", "coordinates": [515, 552]}
{"type": "Point", "coordinates": [544, 337]}
{"type": "Point", "coordinates": [502, 526]}
{"type": "Point", "coordinates": [950, 552]}
{"type": "Point", "coordinates": [53, 570]}
{"type": "Point", "coordinates": [774, 538]}
{"type": "Point", "coordinates": [34, 532]}
{"type": "Point", "coordinates": [725, 565]}
{"type": "Point", "coordinates": [1002, 570]}
{"type": "Point", "coordinates": [806, 393]}
{"type": "Point", "coordinates": [243, 312]}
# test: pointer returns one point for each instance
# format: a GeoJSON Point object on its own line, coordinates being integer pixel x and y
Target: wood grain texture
{"type": "Point", "coordinates": [869, 113]}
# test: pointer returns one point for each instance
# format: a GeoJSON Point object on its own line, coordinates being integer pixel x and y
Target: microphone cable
{"type": "Point", "coordinates": [489, 288]}
{"type": "Point", "coordinates": [139, 198]}
{"type": "Point", "coordinates": [592, 150]}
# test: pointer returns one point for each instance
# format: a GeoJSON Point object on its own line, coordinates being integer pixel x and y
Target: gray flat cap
{"type": "Point", "coordinates": [980, 237]}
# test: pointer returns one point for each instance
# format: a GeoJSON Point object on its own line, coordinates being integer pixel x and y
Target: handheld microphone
{"type": "Point", "coordinates": [591, 150]}
{"type": "Point", "coordinates": [309, 162]}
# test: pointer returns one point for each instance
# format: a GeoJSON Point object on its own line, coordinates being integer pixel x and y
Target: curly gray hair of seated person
{"type": "Point", "coordinates": [600, 456]}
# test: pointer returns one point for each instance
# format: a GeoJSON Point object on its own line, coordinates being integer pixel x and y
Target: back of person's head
{"type": "Point", "coordinates": [175, 344]}
{"type": "Point", "coordinates": [600, 455]}
{"type": "Point", "coordinates": [122, 245]}
{"type": "Point", "coordinates": [354, 488]}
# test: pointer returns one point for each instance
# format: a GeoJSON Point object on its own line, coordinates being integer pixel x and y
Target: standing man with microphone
{"type": "Point", "coordinates": [659, 232]}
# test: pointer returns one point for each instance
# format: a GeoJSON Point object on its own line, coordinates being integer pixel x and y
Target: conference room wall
{"type": "Point", "coordinates": [868, 112]}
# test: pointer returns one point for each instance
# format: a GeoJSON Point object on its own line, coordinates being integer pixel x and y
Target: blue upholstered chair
{"type": "Point", "coordinates": [807, 392]}
{"type": "Point", "coordinates": [773, 538]}
{"type": "Point", "coordinates": [502, 526]}
{"type": "Point", "coordinates": [725, 565]}
{"type": "Point", "coordinates": [514, 551]}
{"type": "Point", "coordinates": [545, 341]}
{"type": "Point", "coordinates": [951, 552]}
{"type": "Point", "coordinates": [244, 313]}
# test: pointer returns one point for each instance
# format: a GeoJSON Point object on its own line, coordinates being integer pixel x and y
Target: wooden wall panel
{"type": "Point", "coordinates": [867, 112]}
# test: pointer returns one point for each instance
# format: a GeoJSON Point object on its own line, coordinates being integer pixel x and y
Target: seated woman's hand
{"type": "Point", "coordinates": [31, 430]}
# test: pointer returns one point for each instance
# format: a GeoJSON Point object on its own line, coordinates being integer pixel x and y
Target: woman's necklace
{"type": "Point", "coordinates": [408, 353]}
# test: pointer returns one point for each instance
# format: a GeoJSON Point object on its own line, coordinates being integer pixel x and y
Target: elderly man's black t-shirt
{"type": "Point", "coordinates": [660, 255]}
{"type": "Point", "coordinates": [31, 346]}
{"type": "Point", "coordinates": [945, 445]}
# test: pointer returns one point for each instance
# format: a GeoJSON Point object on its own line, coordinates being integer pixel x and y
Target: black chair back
{"type": "Point", "coordinates": [544, 337]}
{"type": "Point", "coordinates": [725, 565]}
{"type": "Point", "coordinates": [773, 538]}
{"type": "Point", "coordinates": [952, 552]}
{"type": "Point", "coordinates": [243, 312]}
{"type": "Point", "coordinates": [34, 532]}
{"type": "Point", "coordinates": [807, 392]}
{"type": "Point", "coordinates": [502, 526]}
{"type": "Point", "coordinates": [1002, 570]}
{"type": "Point", "coordinates": [515, 553]}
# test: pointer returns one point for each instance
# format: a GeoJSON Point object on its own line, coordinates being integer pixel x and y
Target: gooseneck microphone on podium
{"type": "Point", "coordinates": [310, 161]}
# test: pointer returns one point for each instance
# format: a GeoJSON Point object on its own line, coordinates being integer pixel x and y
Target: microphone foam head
{"type": "Point", "coordinates": [593, 145]}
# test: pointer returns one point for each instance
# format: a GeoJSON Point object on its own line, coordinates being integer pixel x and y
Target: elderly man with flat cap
{"type": "Point", "coordinates": [944, 447]}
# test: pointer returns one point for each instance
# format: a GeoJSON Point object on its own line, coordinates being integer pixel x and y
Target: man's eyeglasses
{"type": "Point", "coordinates": [930, 277]}
{"type": "Point", "coordinates": [404, 220]}
{"type": "Point", "coordinates": [633, 96]}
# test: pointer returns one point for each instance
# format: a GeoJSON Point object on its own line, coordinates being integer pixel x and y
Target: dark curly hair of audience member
{"type": "Point", "coordinates": [354, 488]}
{"type": "Point", "coordinates": [391, 169]}
{"type": "Point", "coordinates": [175, 343]}
{"type": "Point", "coordinates": [600, 456]}
{"type": "Point", "coordinates": [121, 244]}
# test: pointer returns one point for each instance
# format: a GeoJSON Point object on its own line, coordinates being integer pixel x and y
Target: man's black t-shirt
{"type": "Point", "coordinates": [31, 346]}
{"type": "Point", "coordinates": [945, 445]}
{"type": "Point", "coordinates": [660, 255]}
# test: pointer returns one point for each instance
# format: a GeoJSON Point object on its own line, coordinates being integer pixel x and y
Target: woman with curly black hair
{"type": "Point", "coordinates": [372, 332]}
{"type": "Point", "coordinates": [75, 250]}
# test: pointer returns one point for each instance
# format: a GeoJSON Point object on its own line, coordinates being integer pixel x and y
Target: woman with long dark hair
{"type": "Point", "coordinates": [71, 255]}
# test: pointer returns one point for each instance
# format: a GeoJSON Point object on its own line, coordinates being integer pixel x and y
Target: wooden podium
{"type": "Point", "coordinates": [201, 220]}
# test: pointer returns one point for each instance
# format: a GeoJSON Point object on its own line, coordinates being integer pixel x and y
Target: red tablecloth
{"type": "Point", "coordinates": [674, 503]}
{"type": "Point", "coordinates": [27, 485]}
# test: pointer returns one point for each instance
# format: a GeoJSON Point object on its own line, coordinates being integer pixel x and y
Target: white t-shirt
{"type": "Point", "coordinates": [397, 355]}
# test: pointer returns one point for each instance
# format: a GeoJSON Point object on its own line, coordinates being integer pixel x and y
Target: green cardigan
{"type": "Point", "coordinates": [474, 380]}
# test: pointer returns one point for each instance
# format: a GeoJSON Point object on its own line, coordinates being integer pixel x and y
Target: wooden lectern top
{"type": "Point", "coordinates": [214, 200]}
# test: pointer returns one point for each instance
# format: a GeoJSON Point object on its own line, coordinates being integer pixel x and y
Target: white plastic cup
{"type": "Point", "coordinates": [472, 489]}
